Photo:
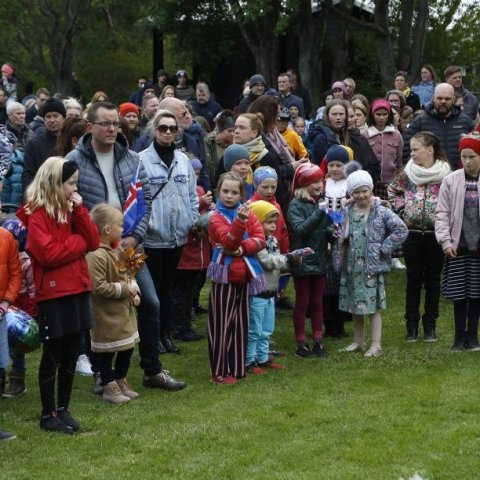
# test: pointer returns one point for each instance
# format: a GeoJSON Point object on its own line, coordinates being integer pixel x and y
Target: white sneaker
{"type": "Point", "coordinates": [84, 367]}
{"type": "Point", "coordinates": [353, 347]}
{"type": "Point", "coordinates": [397, 264]}
{"type": "Point", "coordinates": [374, 352]}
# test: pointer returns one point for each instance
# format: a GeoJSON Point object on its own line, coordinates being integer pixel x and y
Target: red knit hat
{"type": "Point", "coordinates": [470, 141]}
{"type": "Point", "coordinates": [306, 174]}
{"type": "Point", "coordinates": [128, 107]}
{"type": "Point", "coordinates": [380, 103]}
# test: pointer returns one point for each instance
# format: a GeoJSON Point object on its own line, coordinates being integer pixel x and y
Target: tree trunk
{"type": "Point", "coordinates": [383, 44]}
{"type": "Point", "coordinates": [418, 44]}
{"type": "Point", "coordinates": [404, 35]}
{"type": "Point", "coordinates": [310, 29]}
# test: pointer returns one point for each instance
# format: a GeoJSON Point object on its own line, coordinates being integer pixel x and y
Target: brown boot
{"type": "Point", "coordinates": [125, 388]}
{"type": "Point", "coordinates": [113, 394]}
{"type": "Point", "coordinates": [16, 385]}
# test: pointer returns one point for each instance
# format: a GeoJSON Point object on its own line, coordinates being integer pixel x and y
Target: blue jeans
{"type": "Point", "coordinates": [4, 359]}
{"type": "Point", "coordinates": [148, 324]}
{"type": "Point", "coordinates": [260, 328]}
{"type": "Point", "coordinates": [18, 360]}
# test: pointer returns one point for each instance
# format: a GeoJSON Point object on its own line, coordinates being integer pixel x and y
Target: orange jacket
{"type": "Point", "coordinates": [10, 269]}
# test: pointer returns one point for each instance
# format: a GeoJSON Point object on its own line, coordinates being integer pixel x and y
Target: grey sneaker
{"type": "Point", "coordinates": [16, 385]}
{"type": "Point", "coordinates": [97, 388]}
{"type": "Point", "coordinates": [163, 380]}
{"type": "Point", "coordinates": [4, 435]}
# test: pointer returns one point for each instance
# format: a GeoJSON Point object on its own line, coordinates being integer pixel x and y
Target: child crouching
{"type": "Point", "coordinates": [115, 329]}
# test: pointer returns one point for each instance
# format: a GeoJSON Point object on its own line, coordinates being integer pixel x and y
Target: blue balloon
{"type": "Point", "coordinates": [22, 330]}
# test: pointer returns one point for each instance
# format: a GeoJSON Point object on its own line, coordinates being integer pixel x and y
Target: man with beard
{"type": "Point", "coordinates": [445, 120]}
{"type": "Point", "coordinates": [204, 106]}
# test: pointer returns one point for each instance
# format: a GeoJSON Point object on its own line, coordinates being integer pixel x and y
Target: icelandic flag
{"type": "Point", "coordinates": [134, 207]}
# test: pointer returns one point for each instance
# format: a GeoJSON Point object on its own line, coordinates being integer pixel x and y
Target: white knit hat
{"type": "Point", "coordinates": [360, 178]}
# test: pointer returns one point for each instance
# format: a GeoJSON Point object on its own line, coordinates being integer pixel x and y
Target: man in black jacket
{"type": "Point", "coordinates": [443, 119]}
{"type": "Point", "coordinates": [42, 146]}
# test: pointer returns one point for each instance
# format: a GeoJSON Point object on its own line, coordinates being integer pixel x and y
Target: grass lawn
{"type": "Point", "coordinates": [345, 417]}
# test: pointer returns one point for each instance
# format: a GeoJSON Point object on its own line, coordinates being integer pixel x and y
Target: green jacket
{"type": "Point", "coordinates": [309, 227]}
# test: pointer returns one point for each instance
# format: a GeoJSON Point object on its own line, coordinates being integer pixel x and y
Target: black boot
{"type": "Point", "coordinates": [429, 329]}
{"type": "Point", "coordinates": [459, 342]}
{"type": "Point", "coordinates": [412, 330]}
{"type": "Point", "coordinates": [471, 338]}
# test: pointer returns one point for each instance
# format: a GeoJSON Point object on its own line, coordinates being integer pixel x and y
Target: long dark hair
{"type": "Point", "coordinates": [73, 127]}
{"type": "Point", "coordinates": [343, 132]}
{"type": "Point", "coordinates": [267, 105]}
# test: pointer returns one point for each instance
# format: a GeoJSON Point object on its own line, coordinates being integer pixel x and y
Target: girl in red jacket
{"type": "Point", "coordinates": [236, 237]}
{"type": "Point", "coordinates": [60, 232]}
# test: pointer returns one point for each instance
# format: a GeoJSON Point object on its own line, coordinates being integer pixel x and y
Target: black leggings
{"type": "Point", "coordinates": [122, 364]}
{"type": "Point", "coordinates": [467, 313]}
{"type": "Point", "coordinates": [59, 355]}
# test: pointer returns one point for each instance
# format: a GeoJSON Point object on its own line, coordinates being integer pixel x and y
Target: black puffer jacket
{"type": "Point", "coordinates": [92, 185]}
{"type": "Point", "coordinates": [448, 130]}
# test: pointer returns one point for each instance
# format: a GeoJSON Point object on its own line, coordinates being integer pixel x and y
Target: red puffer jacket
{"type": "Point", "coordinates": [196, 252]}
{"type": "Point", "coordinates": [58, 253]}
{"type": "Point", "coordinates": [230, 237]}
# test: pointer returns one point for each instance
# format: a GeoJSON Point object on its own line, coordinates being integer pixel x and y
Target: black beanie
{"type": "Point", "coordinates": [53, 105]}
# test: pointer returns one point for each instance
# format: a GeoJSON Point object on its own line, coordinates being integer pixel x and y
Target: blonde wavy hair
{"type": "Point", "coordinates": [103, 215]}
{"type": "Point", "coordinates": [46, 191]}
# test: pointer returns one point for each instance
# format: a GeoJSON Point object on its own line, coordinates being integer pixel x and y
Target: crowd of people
{"type": "Point", "coordinates": [115, 216]}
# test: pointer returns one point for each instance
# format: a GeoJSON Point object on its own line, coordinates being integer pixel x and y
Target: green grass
{"type": "Point", "coordinates": [345, 417]}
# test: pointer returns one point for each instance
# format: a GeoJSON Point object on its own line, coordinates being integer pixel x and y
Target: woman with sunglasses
{"type": "Point", "coordinates": [174, 212]}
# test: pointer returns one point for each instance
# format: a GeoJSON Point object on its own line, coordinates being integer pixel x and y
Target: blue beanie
{"type": "Point", "coordinates": [337, 153]}
{"type": "Point", "coordinates": [18, 230]}
{"type": "Point", "coordinates": [196, 164]}
{"type": "Point", "coordinates": [262, 173]}
{"type": "Point", "coordinates": [233, 154]}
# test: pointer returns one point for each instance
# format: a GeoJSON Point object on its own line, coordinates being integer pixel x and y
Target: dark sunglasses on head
{"type": "Point", "coordinates": [165, 128]}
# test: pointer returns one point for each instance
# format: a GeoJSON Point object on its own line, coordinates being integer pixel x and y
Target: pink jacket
{"type": "Point", "coordinates": [388, 147]}
{"type": "Point", "coordinates": [449, 213]}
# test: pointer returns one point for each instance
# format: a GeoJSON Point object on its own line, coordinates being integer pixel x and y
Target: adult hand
{"type": "Point", "coordinates": [450, 252]}
{"type": "Point", "coordinates": [297, 163]}
{"type": "Point", "coordinates": [128, 242]}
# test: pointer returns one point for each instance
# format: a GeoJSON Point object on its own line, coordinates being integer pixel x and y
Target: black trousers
{"type": "Point", "coordinates": [162, 264]}
{"type": "Point", "coordinates": [182, 301]}
{"type": "Point", "coordinates": [120, 370]}
{"type": "Point", "coordinates": [424, 261]}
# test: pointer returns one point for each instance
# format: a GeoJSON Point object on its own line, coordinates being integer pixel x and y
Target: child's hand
{"type": "Point", "coordinates": [243, 212]}
{"type": "Point", "coordinates": [133, 290]}
{"type": "Point", "coordinates": [450, 252]}
{"type": "Point", "coordinates": [76, 199]}
{"type": "Point", "coordinates": [136, 300]}
{"type": "Point", "coordinates": [207, 198]}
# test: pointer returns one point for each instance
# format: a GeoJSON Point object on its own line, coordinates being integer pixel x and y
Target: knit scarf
{"type": "Point", "coordinates": [220, 264]}
{"type": "Point", "coordinates": [280, 146]}
{"type": "Point", "coordinates": [420, 175]}
{"type": "Point", "coordinates": [257, 150]}
{"type": "Point", "coordinates": [406, 91]}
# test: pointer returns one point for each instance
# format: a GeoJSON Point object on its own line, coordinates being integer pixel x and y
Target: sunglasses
{"type": "Point", "coordinates": [166, 128]}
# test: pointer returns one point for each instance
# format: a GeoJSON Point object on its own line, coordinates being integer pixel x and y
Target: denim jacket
{"type": "Point", "coordinates": [385, 233]}
{"type": "Point", "coordinates": [175, 208]}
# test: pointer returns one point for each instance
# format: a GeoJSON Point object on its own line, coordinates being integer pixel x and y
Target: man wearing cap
{"type": "Point", "coordinates": [42, 146]}
{"type": "Point", "coordinates": [184, 91]}
{"type": "Point", "coordinates": [445, 120]}
{"type": "Point", "coordinates": [204, 106]}
{"type": "Point", "coordinates": [287, 99]}
{"type": "Point", "coordinates": [257, 86]}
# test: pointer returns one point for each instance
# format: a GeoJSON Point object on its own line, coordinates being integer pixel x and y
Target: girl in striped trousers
{"type": "Point", "coordinates": [236, 236]}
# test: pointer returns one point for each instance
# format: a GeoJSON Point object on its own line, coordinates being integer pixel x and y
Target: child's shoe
{"type": "Point", "coordinates": [126, 390]}
{"type": "Point", "coordinates": [64, 416]}
{"type": "Point", "coordinates": [16, 385]}
{"type": "Point", "coordinates": [303, 350]}
{"type": "Point", "coordinates": [84, 367]}
{"type": "Point", "coordinates": [256, 370]}
{"type": "Point", "coordinates": [228, 380]}
{"type": "Point", "coordinates": [353, 347]}
{"type": "Point", "coordinates": [318, 349]}
{"type": "Point", "coordinates": [374, 352]}
{"type": "Point", "coordinates": [113, 394]}
{"type": "Point", "coordinates": [97, 388]}
{"type": "Point", "coordinates": [272, 365]}
{"type": "Point", "coordinates": [51, 423]}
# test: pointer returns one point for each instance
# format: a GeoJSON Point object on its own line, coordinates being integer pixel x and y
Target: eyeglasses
{"type": "Point", "coordinates": [108, 124]}
{"type": "Point", "coordinates": [165, 128]}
